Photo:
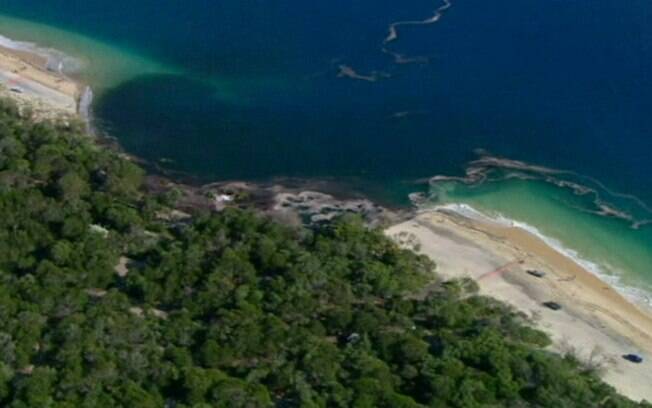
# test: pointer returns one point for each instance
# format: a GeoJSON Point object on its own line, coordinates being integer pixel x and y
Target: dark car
{"type": "Point", "coordinates": [552, 305]}
{"type": "Point", "coordinates": [535, 273]}
{"type": "Point", "coordinates": [634, 358]}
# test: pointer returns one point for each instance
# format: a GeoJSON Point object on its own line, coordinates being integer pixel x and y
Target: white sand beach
{"type": "Point", "coordinates": [25, 78]}
{"type": "Point", "coordinates": [595, 322]}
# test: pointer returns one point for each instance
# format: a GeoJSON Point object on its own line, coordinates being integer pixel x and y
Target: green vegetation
{"type": "Point", "coordinates": [234, 310]}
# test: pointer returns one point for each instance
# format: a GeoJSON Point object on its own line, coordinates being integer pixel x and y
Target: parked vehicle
{"type": "Point", "coordinates": [633, 358]}
{"type": "Point", "coordinates": [552, 305]}
{"type": "Point", "coordinates": [536, 273]}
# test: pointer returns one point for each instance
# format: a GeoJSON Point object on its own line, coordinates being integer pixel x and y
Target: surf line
{"type": "Point", "coordinates": [393, 35]}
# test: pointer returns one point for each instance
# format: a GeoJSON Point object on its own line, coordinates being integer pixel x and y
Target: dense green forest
{"type": "Point", "coordinates": [232, 309]}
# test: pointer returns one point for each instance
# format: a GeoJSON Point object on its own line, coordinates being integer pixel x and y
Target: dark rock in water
{"type": "Point", "coordinates": [318, 208]}
{"type": "Point", "coordinates": [294, 203]}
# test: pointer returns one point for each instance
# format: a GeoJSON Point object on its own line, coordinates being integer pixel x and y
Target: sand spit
{"type": "Point", "coordinates": [595, 322]}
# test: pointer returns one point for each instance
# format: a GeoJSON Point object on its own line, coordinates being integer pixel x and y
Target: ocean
{"type": "Point", "coordinates": [385, 96]}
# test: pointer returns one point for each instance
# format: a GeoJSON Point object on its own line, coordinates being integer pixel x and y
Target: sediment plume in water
{"type": "Point", "coordinates": [393, 35]}
{"type": "Point", "coordinates": [56, 61]}
{"type": "Point", "coordinates": [398, 58]}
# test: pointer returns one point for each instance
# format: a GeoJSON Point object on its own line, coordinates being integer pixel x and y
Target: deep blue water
{"type": "Point", "coordinates": [249, 89]}
{"type": "Point", "coordinates": [561, 83]}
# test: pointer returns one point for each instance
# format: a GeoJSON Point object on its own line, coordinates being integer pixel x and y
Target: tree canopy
{"type": "Point", "coordinates": [233, 309]}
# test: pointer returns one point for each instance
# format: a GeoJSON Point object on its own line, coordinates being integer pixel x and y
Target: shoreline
{"type": "Point", "coordinates": [27, 78]}
{"type": "Point", "coordinates": [636, 295]}
{"type": "Point", "coordinates": [595, 316]}
{"type": "Point", "coordinates": [596, 322]}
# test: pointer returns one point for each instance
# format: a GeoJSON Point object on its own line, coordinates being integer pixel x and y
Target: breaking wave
{"type": "Point", "coordinates": [345, 71]}
{"type": "Point", "coordinates": [56, 61]}
{"type": "Point", "coordinates": [606, 273]}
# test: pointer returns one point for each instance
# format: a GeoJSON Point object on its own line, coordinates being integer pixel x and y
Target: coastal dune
{"type": "Point", "coordinates": [595, 323]}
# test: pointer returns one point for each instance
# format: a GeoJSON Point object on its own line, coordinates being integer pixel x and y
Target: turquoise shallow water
{"type": "Point", "coordinates": [253, 89]}
{"type": "Point", "coordinates": [95, 61]}
{"type": "Point", "coordinates": [616, 249]}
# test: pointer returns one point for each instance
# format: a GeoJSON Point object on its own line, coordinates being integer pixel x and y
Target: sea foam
{"type": "Point", "coordinates": [85, 101]}
{"type": "Point", "coordinates": [604, 272]}
{"type": "Point", "coordinates": [56, 60]}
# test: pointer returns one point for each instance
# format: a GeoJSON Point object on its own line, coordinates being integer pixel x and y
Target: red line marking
{"type": "Point", "coordinates": [500, 270]}
{"type": "Point", "coordinates": [13, 82]}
